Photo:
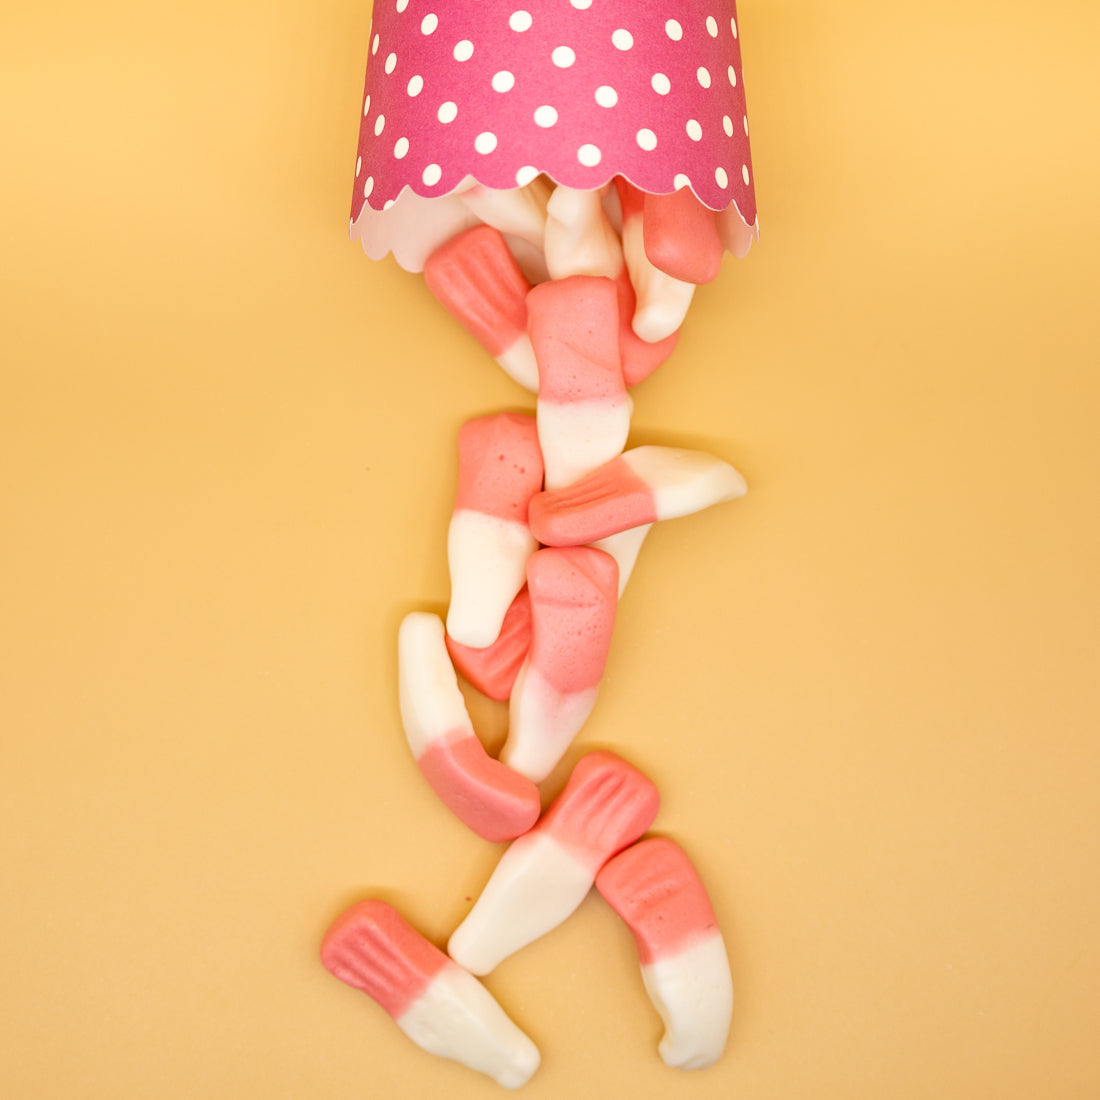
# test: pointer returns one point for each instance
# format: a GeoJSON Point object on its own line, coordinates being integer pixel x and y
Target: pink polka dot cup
{"type": "Point", "coordinates": [502, 91]}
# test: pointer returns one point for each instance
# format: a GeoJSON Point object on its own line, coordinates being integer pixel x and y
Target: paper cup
{"type": "Point", "coordinates": [502, 91]}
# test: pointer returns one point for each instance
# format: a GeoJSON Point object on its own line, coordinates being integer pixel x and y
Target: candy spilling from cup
{"type": "Point", "coordinates": [568, 241]}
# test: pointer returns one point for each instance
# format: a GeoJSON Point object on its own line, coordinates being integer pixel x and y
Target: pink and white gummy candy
{"type": "Point", "coordinates": [574, 595]}
{"type": "Point", "coordinates": [500, 468]}
{"type": "Point", "coordinates": [656, 890]}
{"type": "Point", "coordinates": [493, 800]}
{"type": "Point", "coordinates": [583, 411]}
{"type": "Point", "coordinates": [477, 280]}
{"type": "Point", "coordinates": [444, 1009]}
{"type": "Point", "coordinates": [638, 487]}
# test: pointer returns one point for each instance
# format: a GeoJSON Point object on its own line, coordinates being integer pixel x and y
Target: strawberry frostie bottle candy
{"type": "Point", "coordinates": [581, 240]}
{"type": "Point", "coordinates": [500, 468]}
{"type": "Point", "coordinates": [655, 888]}
{"type": "Point", "coordinates": [478, 280]}
{"type": "Point", "coordinates": [440, 1006]}
{"type": "Point", "coordinates": [583, 411]}
{"type": "Point", "coordinates": [638, 487]}
{"type": "Point", "coordinates": [574, 594]}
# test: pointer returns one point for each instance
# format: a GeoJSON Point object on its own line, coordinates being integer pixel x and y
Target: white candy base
{"type": "Point", "coordinates": [693, 994]}
{"type": "Point", "coordinates": [456, 1017]}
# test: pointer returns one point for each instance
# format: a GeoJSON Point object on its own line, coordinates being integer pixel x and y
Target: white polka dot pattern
{"type": "Point", "coordinates": [582, 90]}
{"type": "Point", "coordinates": [589, 155]}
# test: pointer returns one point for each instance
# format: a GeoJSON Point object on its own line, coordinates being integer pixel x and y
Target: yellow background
{"type": "Point", "coordinates": [868, 691]}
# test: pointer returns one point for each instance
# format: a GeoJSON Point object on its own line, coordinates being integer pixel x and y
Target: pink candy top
{"type": "Point", "coordinates": [373, 948]}
{"type": "Point", "coordinates": [574, 594]}
{"type": "Point", "coordinates": [495, 802]}
{"type": "Point", "coordinates": [612, 498]}
{"type": "Point", "coordinates": [499, 465]}
{"type": "Point", "coordinates": [605, 806]}
{"type": "Point", "coordinates": [582, 90]}
{"type": "Point", "coordinates": [478, 280]}
{"type": "Point", "coordinates": [655, 888]}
